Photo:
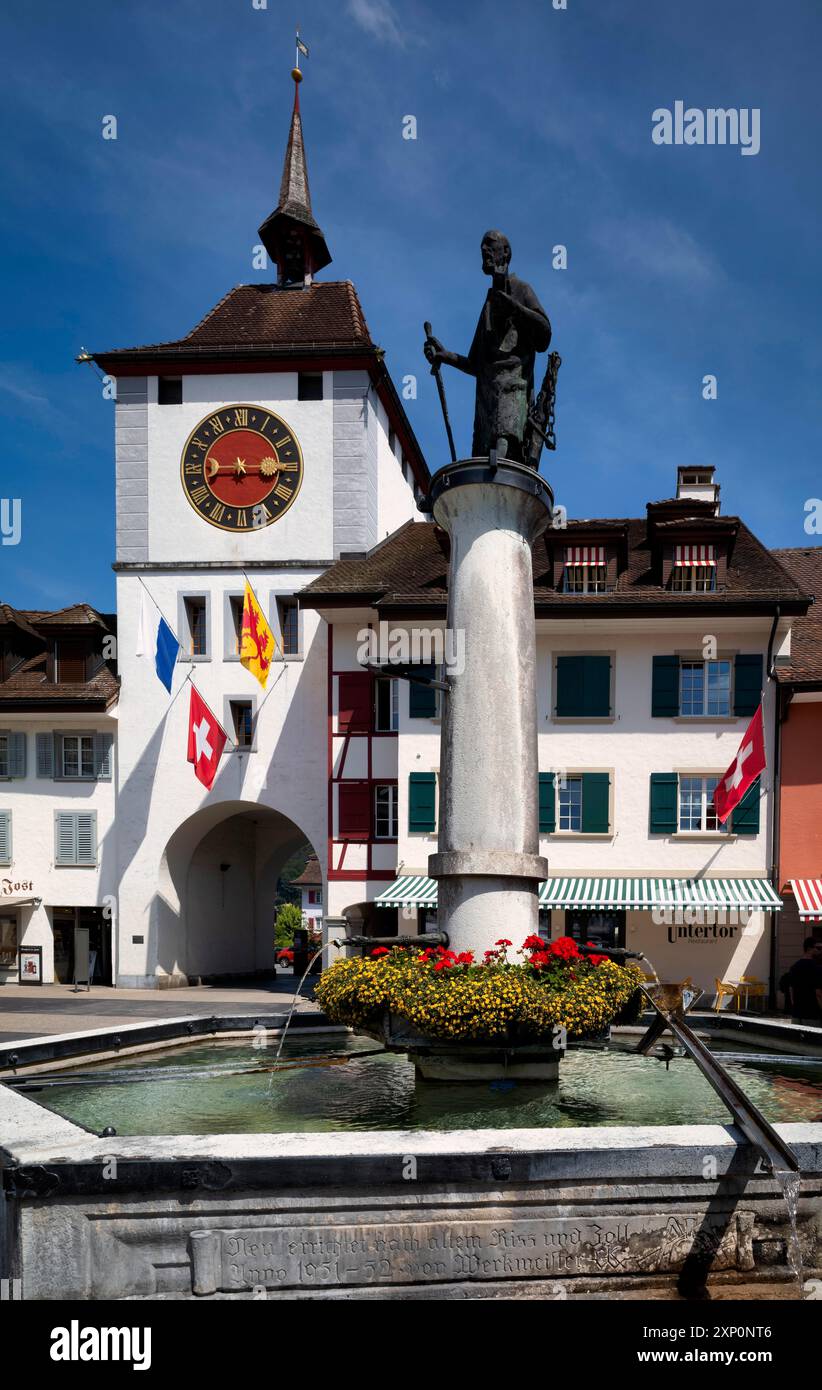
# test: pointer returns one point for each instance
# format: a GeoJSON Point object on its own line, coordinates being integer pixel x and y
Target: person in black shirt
{"type": "Point", "coordinates": [805, 980]}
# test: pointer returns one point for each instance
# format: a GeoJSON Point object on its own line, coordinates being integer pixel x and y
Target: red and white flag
{"type": "Point", "coordinates": [743, 771]}
{"type": "Point", "coordinates": [206, 740]}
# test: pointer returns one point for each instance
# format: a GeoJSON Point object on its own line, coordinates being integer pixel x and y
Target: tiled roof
{"type": "Point", "coordinates": [28, 685]}
{"type": "Point", "coordinates": [410, 569]}
{"type": "Point", "coordinates": [805, 565]}
{"type": "Point", "coordinates": [327, 314]}
{"type": "Point", "coordinates": [311, 877]}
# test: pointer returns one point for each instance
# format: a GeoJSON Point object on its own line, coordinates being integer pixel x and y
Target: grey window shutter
{"type": "Point", "coordinates": [5, 837]}
{"type": "Point", "coordinates": [102, 756]}
{"type": "Point", "coordinates": [86, 837]}
{"type": "Point", "coordinates": [45, 755]}
{"type": "Point", "coordinates": [17, 754]}
{"type": "Point", "coordinates": [664, 799]}
{"type": "Point", "coordinates": [65, 837]}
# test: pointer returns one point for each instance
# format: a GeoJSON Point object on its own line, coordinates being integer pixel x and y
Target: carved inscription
{"type": "Point", "coordinates": [425, 1252]}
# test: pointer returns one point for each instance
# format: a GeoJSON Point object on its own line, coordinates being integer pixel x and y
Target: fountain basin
{"type": "Point", "coordinates": [434, 1060]}
{"type": "Point", "coordinates": [419, 1199]}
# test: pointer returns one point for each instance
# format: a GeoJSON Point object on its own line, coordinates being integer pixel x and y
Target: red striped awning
{"type": "Point", "coordinates": [694, 555]}
{"type": "Point", "coordinates": [585, 555]}
{"type": "Point", "coordinates": [808, 894]}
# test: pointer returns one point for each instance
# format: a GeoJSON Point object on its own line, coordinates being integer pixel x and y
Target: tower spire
{"type": "Point", "coordinates": [290, 235]}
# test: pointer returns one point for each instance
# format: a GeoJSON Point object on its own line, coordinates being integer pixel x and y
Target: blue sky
{"type": "Point", "coordinates": [682, 261]}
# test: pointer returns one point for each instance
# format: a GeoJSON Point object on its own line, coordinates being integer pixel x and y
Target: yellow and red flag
{"type": "Point", "coordinates": [257, 641]}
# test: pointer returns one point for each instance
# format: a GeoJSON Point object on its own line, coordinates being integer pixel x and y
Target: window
{"type": "Point", "coordinates": [585, 579]}
{"type": "Point", "coordinates": [583, 687]}
{"type": "Point", "coordinates": [570, 804]}
{"type": "Point", "coordinates": [315, 897]}
{"type": "Point", "coordinates": [595, 927]}
{"type": "Point", "coordinates": [242, 722]}
{"type": "Point", "coordinates": [77, 755]}
{"type": "Point", "coordinates": [309, 386]}
{"type": "Point", "coordinates": [235, 616]}
{"type": "Point", "coordinates": [387, 706]}
{"type": "Point", "coordinates": [75, 839]}
{"type": "Point", "coordinates": [195, 626]}
{"type": "Point", "coordinates": [385, 813]}
{"type": "Point", "coordinates": [12, 754]}
{"type": "Point", "coordinates": [71, 662]}
{"type": "Point", "coordinates": [705, 688]}
{"type": "Point", "coordinates": [696, 808]}
{"type": "Point", "coordinates": [288, 613]}
{"type": "Point", "coordinates": [694, 579]}
{"type": "Point", "coordinates": [169, 390]}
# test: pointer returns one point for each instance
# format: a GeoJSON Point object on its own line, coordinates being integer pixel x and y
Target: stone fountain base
{"type": "Point", "coordinates": [436, 1060]}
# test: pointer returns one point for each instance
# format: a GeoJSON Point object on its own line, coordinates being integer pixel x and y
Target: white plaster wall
{"type": "Point", "coordinates": [177, 532]}
{"type": "Point", "coordinates": [158, 791]}
{"type": "Point", "coordinates": [33, 801]}
{"type": "Point", "coordinates": [396, 495]}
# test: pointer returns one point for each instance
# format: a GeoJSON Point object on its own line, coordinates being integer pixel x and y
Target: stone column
{"type": "Point", "coordinates": [488, 866]}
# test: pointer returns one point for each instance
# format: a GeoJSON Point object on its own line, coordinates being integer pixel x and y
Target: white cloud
{"type": "Point", "coordinates": [659, 249]}
{"type": "Point", "coordinates": [378, 18]}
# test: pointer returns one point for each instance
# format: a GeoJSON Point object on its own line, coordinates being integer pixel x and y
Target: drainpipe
{"type": "Point", "coordinates": [775, 819]}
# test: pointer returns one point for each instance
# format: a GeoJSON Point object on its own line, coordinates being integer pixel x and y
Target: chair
{"type": "Point", "coordinates": [726, 989]}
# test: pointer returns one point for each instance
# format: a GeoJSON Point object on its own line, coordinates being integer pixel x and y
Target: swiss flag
{"type": "Point", "coordinates": [745, 768]}
{"type": "Point", "coordinates": [206, 740]}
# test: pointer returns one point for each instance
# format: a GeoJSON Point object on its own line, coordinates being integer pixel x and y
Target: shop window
{"type": "Point", "coordinates": [595, 927]}
{"type": "Point", "coordinates": [385, 813]}
{"type": "Point", "coordinates": [8, 941]}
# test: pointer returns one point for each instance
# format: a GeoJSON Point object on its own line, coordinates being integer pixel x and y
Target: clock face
{"type": "Point", "coordinates": [241, 468]}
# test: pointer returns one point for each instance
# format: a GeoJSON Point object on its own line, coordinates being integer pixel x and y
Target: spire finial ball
{"type": "Point", "coordinates": [297, 75]}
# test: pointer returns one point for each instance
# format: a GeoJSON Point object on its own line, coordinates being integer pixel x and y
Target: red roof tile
{"type": "Point", "coordinates": [805, 566]}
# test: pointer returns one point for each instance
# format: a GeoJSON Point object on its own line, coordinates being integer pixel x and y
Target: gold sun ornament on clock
{"type": "Point", "coordinates": [241, 468]}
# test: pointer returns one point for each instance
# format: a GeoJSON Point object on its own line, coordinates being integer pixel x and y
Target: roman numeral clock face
{"type": "Point", "coordinates": [241, 468]}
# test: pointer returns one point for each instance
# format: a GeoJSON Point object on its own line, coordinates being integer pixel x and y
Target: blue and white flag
{"type": "Point", "coordinates": [155, 638]}
{"type": "Point", "coordinates": [302, 47]}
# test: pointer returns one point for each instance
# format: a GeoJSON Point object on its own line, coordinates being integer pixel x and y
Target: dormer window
{"type": "Point", "coordinates": [586, 570]}
{"type": "Point", "coordinates": [694, 569]}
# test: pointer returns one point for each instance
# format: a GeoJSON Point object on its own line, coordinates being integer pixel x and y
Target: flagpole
{"type": "Point", "coordinates": [160, 611]}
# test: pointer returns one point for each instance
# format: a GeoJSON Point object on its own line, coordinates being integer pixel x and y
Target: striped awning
{"type": "Point", "coordinates": [694, 555]}
{"type": "Point", "coordinates": [602, 893]}
{"type": "Point", "coordinates": [412, 891]}
{"type": "Point", "coordinates": [808, 894]}
{"type": "Point", "coordinates": [585, 555]}
{"type": "Point", "coordinates": [649, 893]}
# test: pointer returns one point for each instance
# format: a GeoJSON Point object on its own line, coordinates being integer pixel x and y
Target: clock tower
{"type": "Point", "coordinates": [262, 445]}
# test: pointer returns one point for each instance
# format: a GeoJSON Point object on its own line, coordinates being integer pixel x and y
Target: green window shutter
{"type": "Point", "coordinates": [664, 797]}
{"type": "Point", "coordinates": [422, 699]}
{"type": "Point", "coordinates": [748, 683]}
{"type": "Point", "coordinates": [102, 756]}
{"type": "Point", "coordinates": [583, 687]}
{"type": "Point", "coordinates": [745, 816]}
{"type": "Point", "coordinates": [45, 755]}
{"type": "Point", "coordinates": [665, 687]}
{"type": "Point", "coordinates": [65, 837]}
{"type": "Point", "coordinates": [5, 837]}
{"type": "Point", "coordinates": [422, 803]}
{"type": "Point", "coordinates": [86, 837]}
{"type": "Point", "coordinates": [547, 804]}
{"type": "Point", "coordinates": [596, 788]}
{"type": "Point", "coordinates": [17, 755]}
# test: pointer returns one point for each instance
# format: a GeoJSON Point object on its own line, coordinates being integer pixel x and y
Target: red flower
{"type": "Point", "coordinates": [465, 958]}
{"type": "Point", "coordinates": [540, 959]}
{"type": "Point", "coordinates": [597, 960]}
{"type": "Point", "coordinates": [565, 948]}
{"type": "Point", "coordinates": [443, 964]}
{"type": "Point", "coordinates": [380, 951]}
{"type": "Point", "coordinates": [490, 955]}
{"type": "Point", "coordinates": [503, 942]}
{"type": "Point", "coordinates": [533, 943]}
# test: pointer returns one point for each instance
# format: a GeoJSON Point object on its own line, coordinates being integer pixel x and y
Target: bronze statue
{"type": "Point", "coordinates": [513, 327]}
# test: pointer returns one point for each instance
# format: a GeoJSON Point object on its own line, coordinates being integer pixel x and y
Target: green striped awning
{"type": "Point", "coordinates": [412, 891]}
{"type": "Point", "coordinates": [659, 892]}
{"type": "Point", "coordinates": [636, 893]}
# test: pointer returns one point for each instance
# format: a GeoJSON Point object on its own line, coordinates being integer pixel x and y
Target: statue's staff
{"type": "Point", "coordinates": [435, 372]}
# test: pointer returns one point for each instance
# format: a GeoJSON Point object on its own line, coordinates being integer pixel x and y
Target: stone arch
{"type": "Point", "coordinates": [212, 911]}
